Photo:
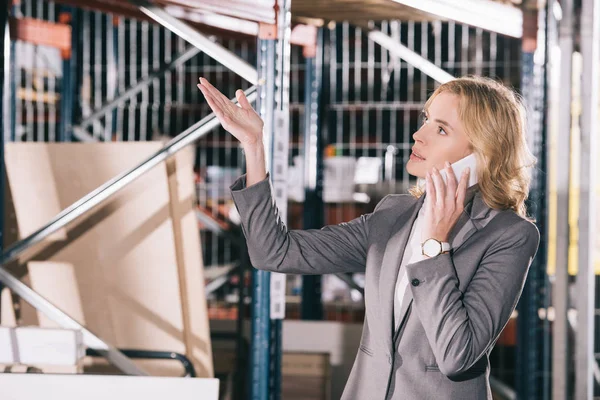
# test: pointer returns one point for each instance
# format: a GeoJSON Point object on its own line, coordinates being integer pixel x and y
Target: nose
{"type": "Point", "coordinates": [419, 135]}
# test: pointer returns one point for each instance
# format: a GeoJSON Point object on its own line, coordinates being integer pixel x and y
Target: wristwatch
{"type": "Point", "coordinates": [433, 247]}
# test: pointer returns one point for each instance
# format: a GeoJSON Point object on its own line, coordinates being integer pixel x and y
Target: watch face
{"type": "Point", "coordinates": [432, 248]}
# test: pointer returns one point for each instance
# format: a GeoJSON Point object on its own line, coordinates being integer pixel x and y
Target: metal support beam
{"type": "Point", "coordinates": [69, 93]}
{"type": "Point", "coordinates": [113, 89]}
{"type": "Point", "coordinates": [531, 336]}
{"type": "Point", "coordinates": [347, 279]}
{"type": "Point", "coordinates": [78, 209]}
{"type": "Point", "coordinates": [260, 353]}
{"type": "Point", "coordinates": [502, 390]}
{"type": "Point", "coordinates": [195, 38]}
{"type": "Point", "coordinates": [560, 106]}
{"type": "Point", "coordinates": [240, 377]}
{"type": "Point", "coordinates": [314, 211]}
{"type": "Point", "coordinates": [397, 49]}
{"type": "Point", "coordinates": [268, 299]}
{"type": "Point", "coordinates": [219, 281]}
{"type": "Point", "coordinates": [586, 279]}
{"type": "Point", "coordinates": [493, 16]}
{"type": "Point", "coordinates": [5, 109]}
{"type": "Point", "coordinates": [10, 96]}
{"type": "Point", "coordinates": [218, 21]}
{"type": "Point", "coordinates": [137, 88]}
{"type": "Point", "coordinates": [595, 367]}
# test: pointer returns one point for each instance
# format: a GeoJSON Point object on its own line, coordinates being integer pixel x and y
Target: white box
{"type": "Point", "coordinates": [50, 346]}
{"type": "Point", "coordinates": [6, 346]}
{"type": "Point", "coordinates": [41, 346]}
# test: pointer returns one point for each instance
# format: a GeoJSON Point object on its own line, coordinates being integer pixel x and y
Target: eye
{"type": "Point", "coordinates": [424, 118]}
{"type": "Point", "coordinates": [441, 131]}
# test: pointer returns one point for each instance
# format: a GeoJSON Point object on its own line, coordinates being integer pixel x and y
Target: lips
{"type": "Point", "coordinates": [414, 153]}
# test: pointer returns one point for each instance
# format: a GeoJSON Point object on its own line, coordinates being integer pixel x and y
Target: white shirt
{"type": "Point", "coordinates": [412, 254]}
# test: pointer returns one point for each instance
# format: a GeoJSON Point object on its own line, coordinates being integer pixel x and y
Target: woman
{"type": "Point", "coordinates": [444, 266]}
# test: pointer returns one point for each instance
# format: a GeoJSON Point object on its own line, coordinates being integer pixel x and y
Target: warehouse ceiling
{"type": "Point", "coordinates": [240, 15]}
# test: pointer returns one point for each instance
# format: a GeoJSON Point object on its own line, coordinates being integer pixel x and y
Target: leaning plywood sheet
{"type": "Point", "coordinates": [39, 187]}
{"type": "Point", "coordinates": [185, 227]}
{"type": "Point", "coordinates": [124, 253]}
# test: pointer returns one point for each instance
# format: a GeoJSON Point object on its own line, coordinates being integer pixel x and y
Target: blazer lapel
{"type": "Point", "coordinates": [390, 265]}
{"type": "Point", "coordinates": [407, 300]}
{"type": "Point", "coordinates": [463, 230]}
{"type": "Point", "coordinates": [474, 217]}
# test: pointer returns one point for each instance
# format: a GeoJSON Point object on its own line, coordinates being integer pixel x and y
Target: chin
{"type": "Point", "coordinates": [415, 170]}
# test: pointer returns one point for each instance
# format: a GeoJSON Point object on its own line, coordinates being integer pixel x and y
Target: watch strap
{"type": "Point", "coordinates": [446, 247]}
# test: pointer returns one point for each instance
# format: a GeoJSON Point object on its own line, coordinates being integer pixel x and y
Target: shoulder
{"type": "Point", "coordinates": [511, 229]}
{"type": "Point", "coordinates": [395, 201]}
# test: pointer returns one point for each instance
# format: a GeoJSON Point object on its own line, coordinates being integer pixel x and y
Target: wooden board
{"type": "Point", "coordinates": [355, 11]}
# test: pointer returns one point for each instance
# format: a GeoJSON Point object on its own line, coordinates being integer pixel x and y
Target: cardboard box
{"type": "Point", "coordinates": [305, 376]}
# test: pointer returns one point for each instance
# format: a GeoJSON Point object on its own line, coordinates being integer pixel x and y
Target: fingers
{"type": "Point", "coordinates": [462, 188]}
{"type": "Point", "coordinates": [440, 187]}
{"type": "Point", "coordinates": [223, 118]}
{"type": "Point", "coordinates": [217, 95]}
{"type": "Point", "coordinates": [452, 183]}
{"type": "Point", "coordinates": [430, 188]}
{"type": "Point", "coordinates": [214, 105]}
{"type": "Point", "coordinates": [243, 100]}
{"type": "Point", "coordinates": [209, 90]}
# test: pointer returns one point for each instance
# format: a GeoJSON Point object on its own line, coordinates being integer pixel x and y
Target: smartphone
{"type": "Point", "coordinates": [459, 166]}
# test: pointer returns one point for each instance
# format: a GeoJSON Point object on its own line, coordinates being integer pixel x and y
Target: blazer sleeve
{"type": "Point", "coordinates": [461, 327]}
{"type": "Point", "coordinates": [272, 247]}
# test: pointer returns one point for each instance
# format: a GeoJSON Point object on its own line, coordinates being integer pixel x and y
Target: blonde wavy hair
{"type": "Point", "coordinates": [494, 120]}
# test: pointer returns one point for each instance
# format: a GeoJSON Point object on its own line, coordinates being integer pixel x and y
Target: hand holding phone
{"type": "Point", "coordinates": [459, 166]}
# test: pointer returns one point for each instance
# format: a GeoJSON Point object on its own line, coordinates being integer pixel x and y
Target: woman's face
{"type": "Point", "coordinates": [441, 138]}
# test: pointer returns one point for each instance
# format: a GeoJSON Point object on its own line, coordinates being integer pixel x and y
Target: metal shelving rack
{"type": "Point", "coordinates": [351, 91]}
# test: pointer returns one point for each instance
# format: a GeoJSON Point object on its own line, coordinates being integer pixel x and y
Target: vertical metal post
{"type": "Point", "coordinates": [260, 355]}
{"type": "Point", "coordinates": [69, 93]}
{"type": "Point", "coordinates": [312, 308]}
{"type": "Point", "coordinates": [5, 112]}
{"type": "Point", "coordinates": [112, 56]}
{"type": "Point", "coordinates": [241, 350]}
{"type": "Point", "coordinates": [584, 347]}
{"type": "Point", "coordinates": [562, 146]}
{"type": "Point", "coordinates": [268, 301]}
{"type": "Point", "coordinates": [530, 334]}
{"type": "Point", "coordinates": [12, 109]}
{"type": "Point", "coordinates": [552, 104]}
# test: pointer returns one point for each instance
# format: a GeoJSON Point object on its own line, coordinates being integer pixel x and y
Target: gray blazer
{"type": "Point", "coordinates": [451, 316]}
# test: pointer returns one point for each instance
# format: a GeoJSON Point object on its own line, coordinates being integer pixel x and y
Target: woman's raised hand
{"type": "Point", "coordinates": [241, 121]}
